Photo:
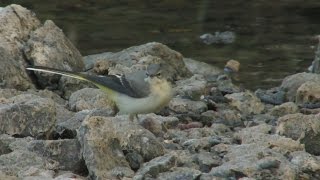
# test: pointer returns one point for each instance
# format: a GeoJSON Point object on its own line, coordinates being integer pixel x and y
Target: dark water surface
{"type": "Point", "coordinates": [274, 38]}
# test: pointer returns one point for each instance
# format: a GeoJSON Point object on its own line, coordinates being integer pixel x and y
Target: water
{"type": "Point", "coordinates": [274, 38]}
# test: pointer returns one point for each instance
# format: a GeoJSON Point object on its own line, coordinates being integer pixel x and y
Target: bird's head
{"type": "Point", "coordinates": [153, 72]}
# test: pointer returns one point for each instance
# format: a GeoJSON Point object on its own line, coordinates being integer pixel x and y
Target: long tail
{"type": "Point", "coordinates": [57, 71]}
{"type": "Point", "coordinates": [110, 84]}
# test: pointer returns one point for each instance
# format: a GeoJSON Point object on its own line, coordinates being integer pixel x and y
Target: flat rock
{"type": "Point", "coordinates": [193, 87]}
{"type": "Point", "coordinates": [253, 161]}
{"type": "Point", "coordinates": [28, 116]}
{"type": "Point", "coordinates": [284, 109]}
{"type": "Point", "coordinates": [197, 67]}
{"type": "Point", "coordinates": [180, 105]}
{"type": "Point", "coordinates": [246, 102]}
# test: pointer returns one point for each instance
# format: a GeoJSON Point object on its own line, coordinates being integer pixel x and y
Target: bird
{"type": "Point", "coordinates": [141, 92]}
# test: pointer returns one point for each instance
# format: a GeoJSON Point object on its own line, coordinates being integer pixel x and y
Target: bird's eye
{"type": "Point", "coordinates": [159, 74]}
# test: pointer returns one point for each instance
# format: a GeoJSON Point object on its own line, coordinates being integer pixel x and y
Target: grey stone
{"type": "Point", "coordinates": [226, 37]}
{"type": "Point", "coordinates": [66, 152]}
{"type": "Point", "coordinates": [207, 160]}
{"type": "Point", "coordinates": [193, 87]}
{"type": "Point", "coordinates": [305, 161]}
{"type": "Point", "coordinates": [180, 105]}
{"type": "Point", "coordinates": [254, 161]}
{"type": "Point", "coordinates": [246, 102]}
{"type": "Point", "coordinates": [304, 128]}
{"type": "Point", "coordinates": [261, 135]}
{"type": "Point", "coordinates": [103, 140]}
{"type": "Point", "coordinates": [155, 166]}
{"type": "Point", "coordinates": [89, 98]}
{"type": "Point", "coordinates": [28, 116]}
{"type": "Point", "coordinates": [48, 44]}
{"type": "Point", "coordinates": [180, 173]}
{"type": "Point", "coordinates": [197, 67]}
{"type": "Point", "coordinates": [283, 109]}
{"type": "Point", "coordinates": [137, 57]}
{"type": "Point", "coordinates": [291, 83]}
{"type": "Point", "coordinates": [16, 25]}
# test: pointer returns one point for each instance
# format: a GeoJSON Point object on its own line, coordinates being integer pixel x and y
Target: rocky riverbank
{"type": "Point", "coordinates": [55, 127]}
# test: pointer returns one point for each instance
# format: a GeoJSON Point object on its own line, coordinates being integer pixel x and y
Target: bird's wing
{"type": "Point", "coordinates": [110, 82]}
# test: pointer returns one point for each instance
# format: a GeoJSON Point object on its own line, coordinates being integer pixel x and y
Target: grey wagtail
{"type": "Point", "coordinates": [136, 93]}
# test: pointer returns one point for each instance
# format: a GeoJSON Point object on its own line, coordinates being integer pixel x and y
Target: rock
{"type": "Point", "coordinates": [137, 57]}
{"type": "Point", "coordinates": [184, 158]}
{"type": "Point", "coordinates": [226, 37]}
{"type": "Point", "coordinates": [301, 127]}
{"type": "Point", "coordinates": [104, 139]}
{"type": "Point", "coordinates": [254, 161]}
{"type": "Point", "coordinates": [308, 92]}
{"type": "Point", "coordinates": [180, 105]}
{"type": "Point", "coordinates": [16, 25]}
{"type": "Point", "coordinates": [197, 67]}
{"type": "Point", "coordinates": [246, 102]}
{"type": "Point", "coordinates": [261, 135]}
{"type": "Point", "coordinates": [18, 162]}
{"type": "Point", "coordinates": [67, 86]}
{"type": "Point", "coordinates": [206, 161]}
{"type": "Point", "coordinates": [305, 161]}
{"type": "Point", "coordinates": [155, 166]}
{"type": "Point", "coordinates": [179, 173]}
{"type": "Point", "coordinates": [225, 85]}
{"type": "Point", "coordinates": [284, 109]}
{"type": "Point", "coordinates": [66, 152]}
{"type": "Point", "coordinates": [274, 96]}
{"type": "Point", "coordinates": [89, 98]}
{"type": "Point", "coordinates": [28, 116]}
{"type": "Point", "coordinates": [194, 87]}
{"type": "Point", "coordinates": [49, 47]}
{"type": "Point", "coordinates": [291, 83]}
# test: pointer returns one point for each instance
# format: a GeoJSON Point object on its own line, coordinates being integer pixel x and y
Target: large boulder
{"type": "Point", "coordinates": [16, 24]}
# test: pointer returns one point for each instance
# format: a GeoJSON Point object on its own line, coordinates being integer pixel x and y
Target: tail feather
{"type": "Point", "coordinates": [57, 71]}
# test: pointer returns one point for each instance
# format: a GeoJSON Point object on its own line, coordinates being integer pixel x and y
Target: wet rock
{"type": "Point", "coordinates": [291, 83]}
{"type": "Point", "coordinates": [16, 25]}
{"type": "Point", "coordinates": [179, 173]}
{"type": "Point", "coordinates": [301, 127]}
{"type": "Point", "coordinates": [180, 105]}
{"type": "Point", "coordinates": [308, 92]}
{"type": "Point", "coordinates": [89, 98]}
{"type": "Point", "coordinates": [193, 87]}
{"type": "Point", "coordinates": [28, 116]}
{"type": "Point", "coordinates": [225, 85]}
{"type": "Point", "coordinates": [103, 140]}
{"type": "Point", "coordinates": [197, 67]}
{"type": "Point", "coordinates": [155, 166]}
{"type": "Point", "coordinates": [137, 57]}
{"type": "Point", "coordinates": [274, 96]}
{"type": "Point", "coordinates": [246, 102]}
{"type": "Point", "coordinates": [48, 44]}
{"type": "Point", "coordinates": [254, 161]}
{"type": "Point", "coordinates": [226, 37]}
{"type": "Point", "coordinates": [284, 109]}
